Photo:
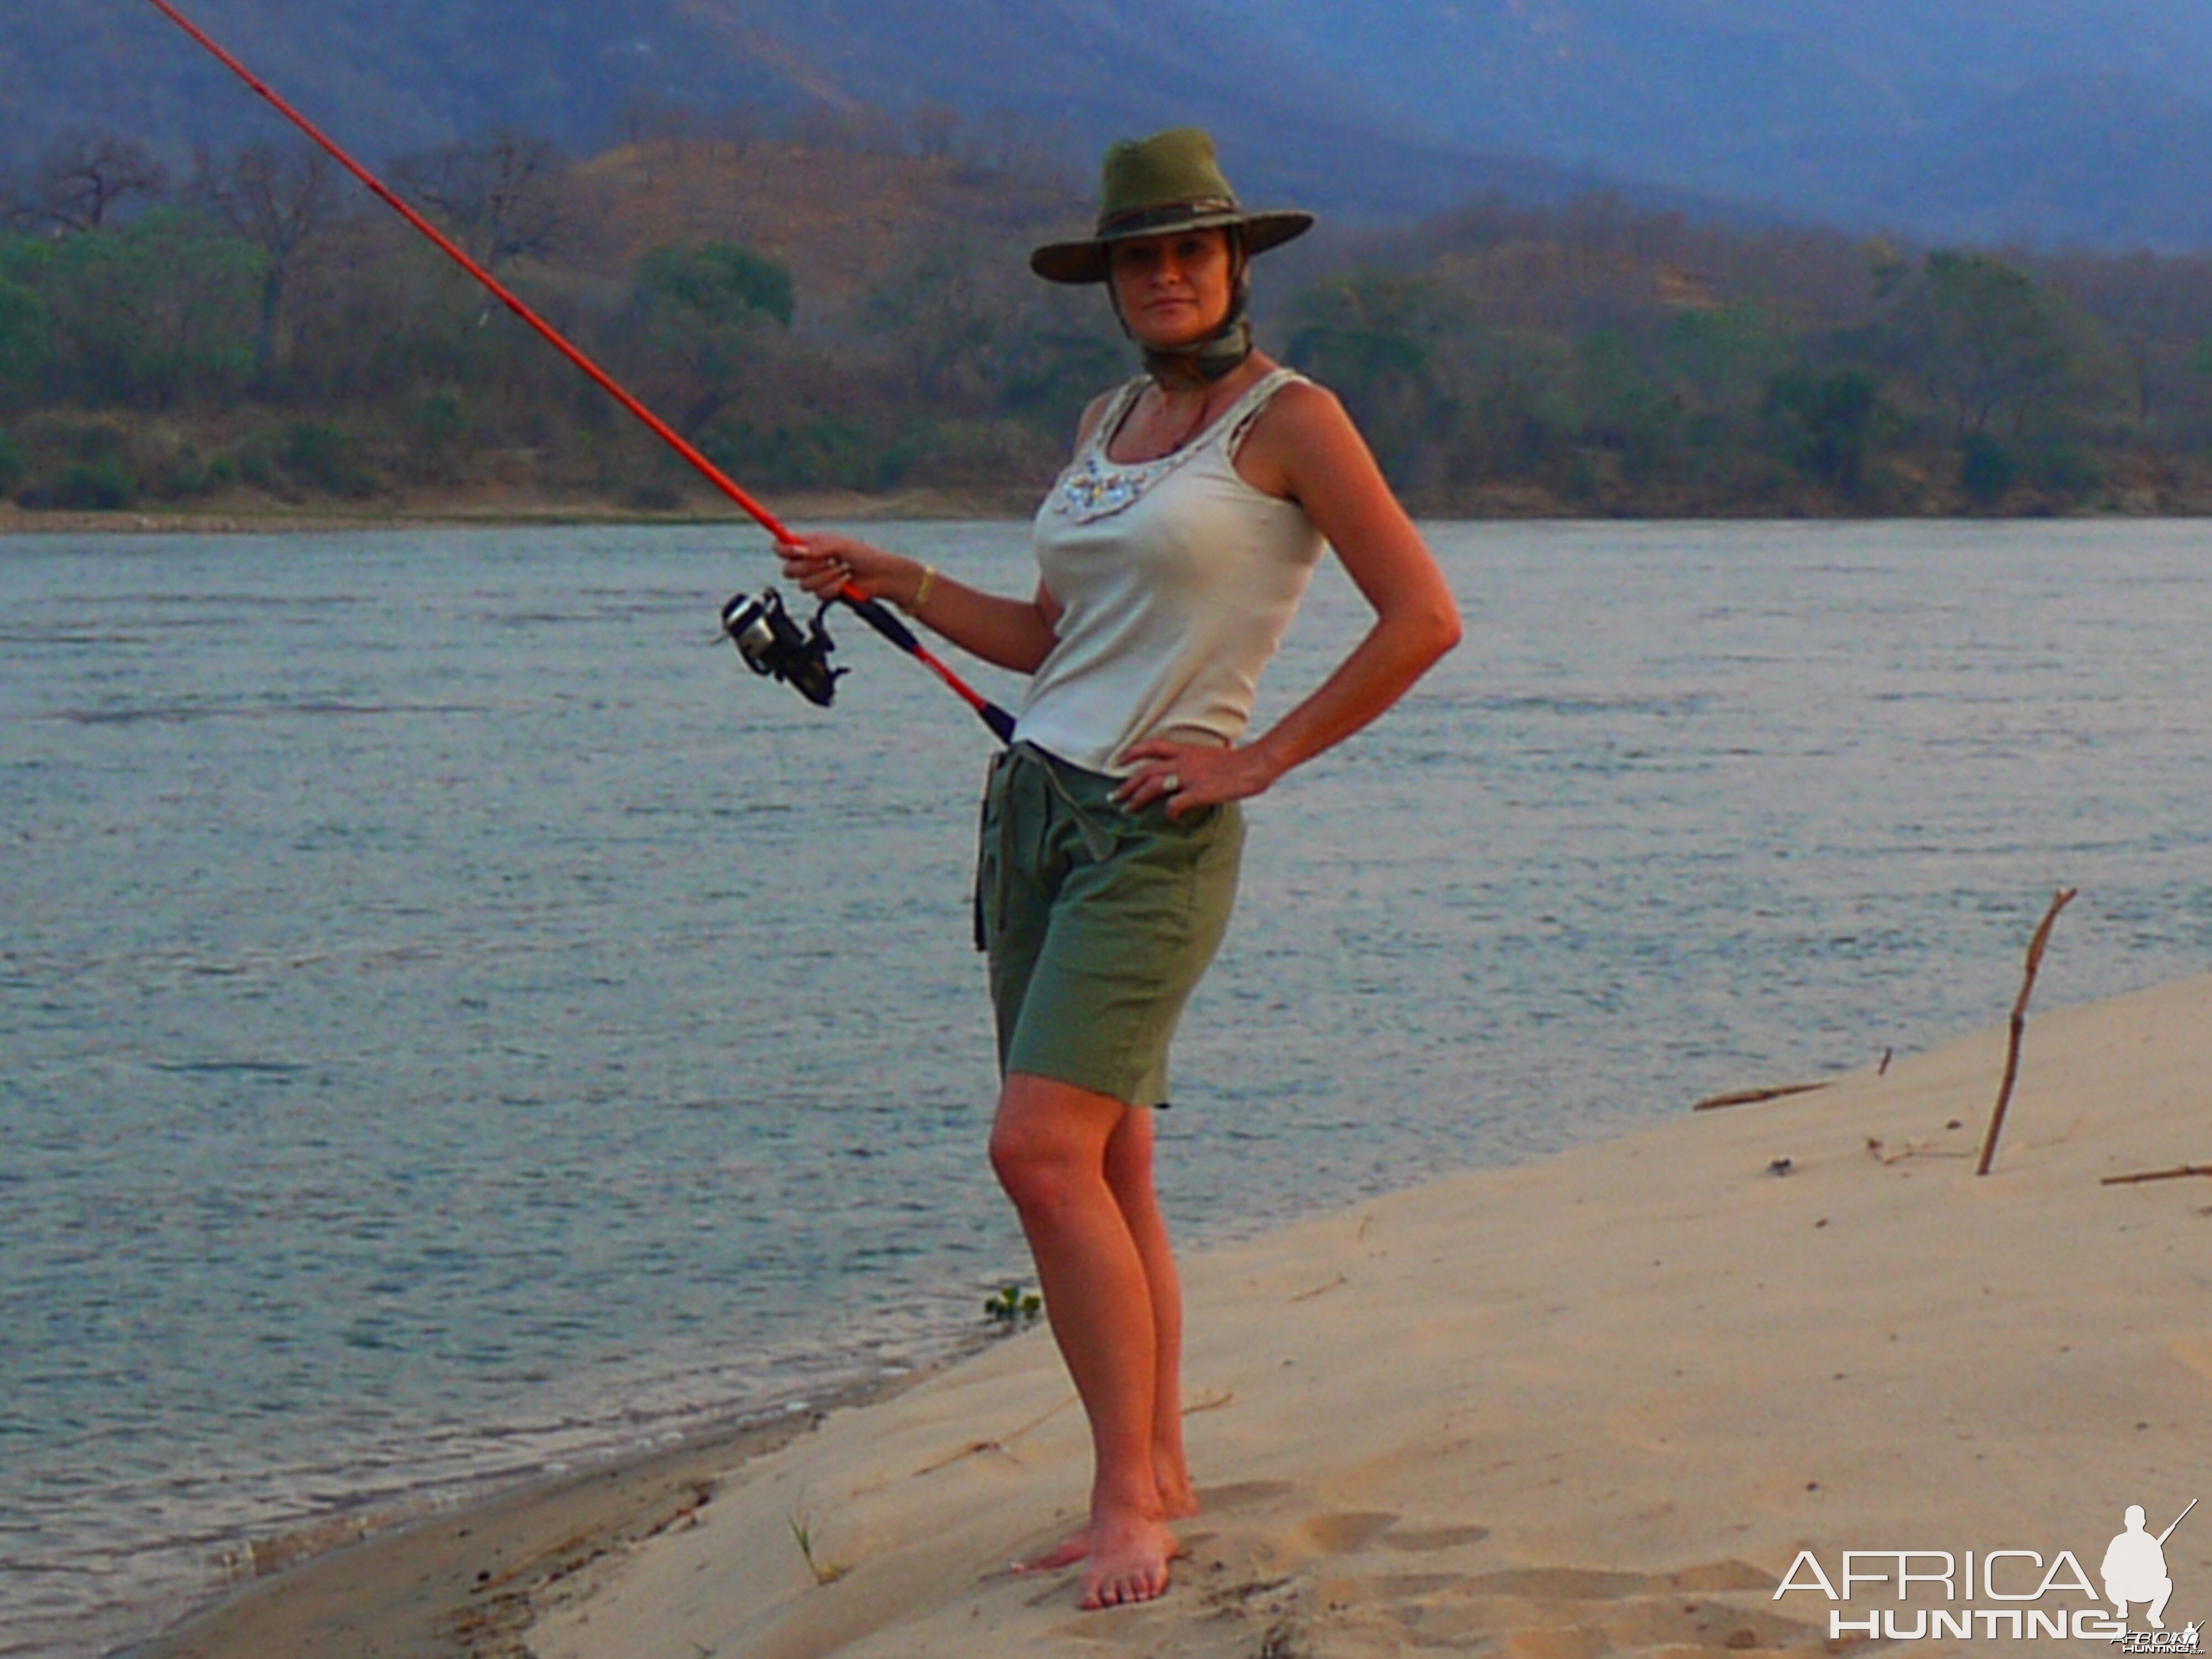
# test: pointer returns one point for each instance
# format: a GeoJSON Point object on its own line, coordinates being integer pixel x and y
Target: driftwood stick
{"type": "Point", "coordinates": [2035, 949]}
{"type": "Point", "coordinates": [2141, 1175]}
{"type": "Point", "coordinates": [1754, 1097]}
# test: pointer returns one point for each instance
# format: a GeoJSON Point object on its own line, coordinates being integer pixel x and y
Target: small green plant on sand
{"type": "Point", "coordinates": [801, 1522]}
{"type": "Point", "coordinates": [1013, 1307]}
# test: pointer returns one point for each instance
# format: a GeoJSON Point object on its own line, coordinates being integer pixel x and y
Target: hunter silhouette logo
{"type": "Point", "coordinates": [2135, 1567]}
{"type": "Point", "coordinates": [2002, 1595]}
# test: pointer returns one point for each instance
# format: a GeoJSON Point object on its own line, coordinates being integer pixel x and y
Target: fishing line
{"type": "Point", "coordinates": [801, 660]}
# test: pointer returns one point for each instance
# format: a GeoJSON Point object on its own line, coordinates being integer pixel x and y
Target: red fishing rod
{"type": "Point", "coordinates": [775, 645]}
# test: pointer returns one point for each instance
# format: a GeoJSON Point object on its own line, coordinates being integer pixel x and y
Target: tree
{"type": "Point", "coordinates": [81, 178]}
{"type": "Point", "coordinates": [281, 202]}
{"type": "Point", "coordinates": [939, 320]}
{"type": "Point", "coordinates": [1993, 344]}
{"type": "Point", "coordinates": [155, 309]}
{"type": "Point", "coordinates": [1723, 356]}
{"type": "Point", "coordinates": [27, 325]}
{"type": "Point", "coordinates": [1363, 335]}
{"type": "Point", "coordinates": [1623, 408]}
{"type": "Point", "coordinates": [705, 309]}
{"type": "Point", "coordinates": [503, 199]}
{"type": "Point", "coordinates": [1827, 424]}
{"type": "Point", "coordinates": [714, 285]}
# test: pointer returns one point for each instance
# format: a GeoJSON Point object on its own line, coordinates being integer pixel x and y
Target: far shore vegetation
{"type": "Point", "coordinates": [845, 311]}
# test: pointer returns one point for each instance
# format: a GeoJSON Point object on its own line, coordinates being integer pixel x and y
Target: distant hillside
{"type": "Point", "coordinates": [840, 221]}
{"type": "Point", "coordinates": [2043, 120]}
{"type": "Point", "coordinates": [830, 317]}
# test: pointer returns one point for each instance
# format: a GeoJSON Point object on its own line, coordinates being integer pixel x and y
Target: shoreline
{"type": "Point", "coordinates": [462, 1580]}
{"type": "Point", "coordinates": [473, 513]}
{"type": "Point", "coordinates": [276, 519]}
{"type": "Point", "coordinates": [1594, 1403]}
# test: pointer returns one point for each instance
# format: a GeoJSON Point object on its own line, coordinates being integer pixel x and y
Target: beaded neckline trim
{"type": "Point", "coordinates": [1095, 487]}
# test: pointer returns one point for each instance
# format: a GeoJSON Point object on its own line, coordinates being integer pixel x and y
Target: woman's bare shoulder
{"type": "Point", "coordinates": [1095, 411]}
{"type": "Point", "coordinates": [1301, 404]}
{"type": "Point", "coordinates": [1303, 430]}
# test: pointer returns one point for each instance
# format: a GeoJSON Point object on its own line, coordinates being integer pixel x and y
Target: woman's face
{"type": "Point", "coordinates": [1174, 291]}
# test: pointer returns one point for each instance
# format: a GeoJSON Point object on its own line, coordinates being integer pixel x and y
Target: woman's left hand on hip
{"type": "Point", "coordinates": [1188, 776]}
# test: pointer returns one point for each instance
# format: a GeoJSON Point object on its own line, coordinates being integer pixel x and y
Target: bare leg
{"type": "Point", "coordinates": [1129, 1176]}
{"type": "Point", "coordinates": [1049, 1146]}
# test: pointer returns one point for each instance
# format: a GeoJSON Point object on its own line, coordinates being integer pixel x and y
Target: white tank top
{"type": "Point", "coordinates": [1176, 580]}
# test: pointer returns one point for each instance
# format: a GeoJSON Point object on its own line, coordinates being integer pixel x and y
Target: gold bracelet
{"type": "Point", "coordinates": [921, 590]}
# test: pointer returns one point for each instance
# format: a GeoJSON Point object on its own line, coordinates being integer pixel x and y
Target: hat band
{"type": "Point", "coordinates": [1135, 221]}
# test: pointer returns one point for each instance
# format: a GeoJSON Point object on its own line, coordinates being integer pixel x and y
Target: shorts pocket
{"type": "Point", "coordinates": [989, 834]}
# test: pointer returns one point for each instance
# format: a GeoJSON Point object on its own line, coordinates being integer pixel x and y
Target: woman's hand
{"type": "Point", "coordinates": [1189, 776]}
{"type": "Point", "coordinates": [1016, 634]}
{"type": "Point", "coordinates": [824, 564]}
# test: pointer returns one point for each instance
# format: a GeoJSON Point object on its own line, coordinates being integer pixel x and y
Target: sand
{"type": "Point", "coordinates": [1597, 1404]}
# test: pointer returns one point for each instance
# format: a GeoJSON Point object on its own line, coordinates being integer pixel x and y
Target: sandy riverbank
{"type": "Point", "coordinates": [1598, 1404]}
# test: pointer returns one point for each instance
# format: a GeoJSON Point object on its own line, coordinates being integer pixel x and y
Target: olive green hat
{"type": "Point", "coordinates": [1149, 186]}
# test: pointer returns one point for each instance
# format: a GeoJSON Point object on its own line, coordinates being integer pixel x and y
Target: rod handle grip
{"type": "Point", "coordinates": [877, 615]}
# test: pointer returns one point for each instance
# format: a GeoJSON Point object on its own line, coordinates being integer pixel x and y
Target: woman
{"type": "Point", "coordinates": [1172, 552]}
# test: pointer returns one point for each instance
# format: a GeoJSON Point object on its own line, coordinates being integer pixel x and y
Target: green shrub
{"type": "Point", "coordinates": [824, 454]}
{"type": "Point", "coordinates": [101, 486]}
{"type": "Point", "coordinates": [713, 284]}
{"type": "Point", "coordinates": [257, 467]}
{"type": "Point", "coordinates": [98, 441]}
{"type": "Point", "coordinates": [13, 465]}
{"type": "Point", "coordinates": [1826, 425]}
{"type": "Point", "coordinates": [1986, 469]}
{"type": "Point", "coordinates": [2063, 470]}
{"type": "Point", "coordinates": [653, 495]}
{"type": "Point", "coordinates": [437, 431]}
{"type": "Point", "coordinates": [324, 458]}
{"type": "Point", "coordinates": [183, 475]}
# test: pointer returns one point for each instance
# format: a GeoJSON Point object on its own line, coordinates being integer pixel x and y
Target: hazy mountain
{"type": "Point", "coordinates": [2050, 118]}
{"type": "Point", "coordinates": [2105, 161]}
{"type": "Point", "coordinates": [391, 75]}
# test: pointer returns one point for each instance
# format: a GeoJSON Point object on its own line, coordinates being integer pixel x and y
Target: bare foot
{"type": "Point", "coordinates": [1178, 1499]}
{"type": "Point", "coordinates": [1065, 1553]}
{"type": "Point", "coordinates": [1178, 1502]}
{"type": "Point", "coordinates": [1128, 1561]}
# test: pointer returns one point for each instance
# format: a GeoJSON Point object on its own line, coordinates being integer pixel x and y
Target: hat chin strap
{"type": "Point", "coordinates": [1218, 354]}
{"type": "Point", "coordinates": [1212, 358]}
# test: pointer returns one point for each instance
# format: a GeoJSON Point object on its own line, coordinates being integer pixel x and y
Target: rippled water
{"type": "Point", "coordinates": [456, 1020]}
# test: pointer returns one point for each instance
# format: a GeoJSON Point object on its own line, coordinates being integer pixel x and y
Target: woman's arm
{"type": "Point", "coordinates": [1007, 633]}
{"type": "Point", "coordinates": [1010, 633]}
{"type": "Point", "coordinates": [1305, 448]}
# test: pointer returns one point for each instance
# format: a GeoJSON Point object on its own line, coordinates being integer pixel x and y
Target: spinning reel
{"type": "Point", "coordinates": [773, 645]}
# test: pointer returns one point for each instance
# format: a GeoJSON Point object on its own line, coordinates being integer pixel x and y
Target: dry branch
{"type": "Point", "coordinates": [2035, 949]}
{"type": "Point", "coordinates": [1753, 1096]}
{"type": "Point", "coordinates": [2141, 1175]}
{"type": "Point", "coordinates": [1003, 1445]}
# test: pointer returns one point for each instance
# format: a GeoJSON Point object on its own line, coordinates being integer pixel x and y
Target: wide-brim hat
{"type": "Point", "coordinates": [1153, 186]}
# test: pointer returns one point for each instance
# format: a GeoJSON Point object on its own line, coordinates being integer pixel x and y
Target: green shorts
{"type": "Point", "coordinates": [1099, 921]}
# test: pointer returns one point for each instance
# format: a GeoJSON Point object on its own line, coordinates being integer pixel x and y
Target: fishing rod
{"type": "Point", "coordinates": [770, 642]}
